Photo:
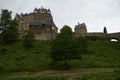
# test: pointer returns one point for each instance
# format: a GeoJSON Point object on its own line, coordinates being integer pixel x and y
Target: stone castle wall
{"type": "Point", "coordinates": [40, 22]}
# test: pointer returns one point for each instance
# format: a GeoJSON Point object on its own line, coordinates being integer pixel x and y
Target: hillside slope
{"type": "Point", "coordinates": [15, 57]}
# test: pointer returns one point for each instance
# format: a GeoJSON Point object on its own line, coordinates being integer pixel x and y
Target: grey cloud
{"type": "Point", "coordinates": [95, 13]}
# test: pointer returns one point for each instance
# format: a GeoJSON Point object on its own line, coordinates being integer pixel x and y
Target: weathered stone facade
{"type": "Point", "coordinates": [80, 30]}
{"type": "Point", "coordinates": [40, 22]}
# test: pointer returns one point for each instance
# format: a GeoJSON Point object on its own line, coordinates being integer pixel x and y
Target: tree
{"type": "Point", "coordinates": [65, 47]}
{"type": "Point", "coordinates": [8, 27]}
{"type": "Point", "coordinates": [105, 30]}
{"type": "Point", "coordinates": [28, 39]}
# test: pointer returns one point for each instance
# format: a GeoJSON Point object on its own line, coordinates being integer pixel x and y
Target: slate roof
{"type": "Point", "coordinates": [82, 25]}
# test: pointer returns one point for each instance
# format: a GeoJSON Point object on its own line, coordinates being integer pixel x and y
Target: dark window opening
{"type": "Point", "coordinates": [43, 25]}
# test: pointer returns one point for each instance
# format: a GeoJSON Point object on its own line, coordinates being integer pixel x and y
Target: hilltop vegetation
{"type": "Point", "coordinates": [17, 58]}
{"type": "Point", "coordinates": [14, 57]}
{"type": "Point", "coordinates": [65, 48]}
{"type": "Point", "coordinates": [103, 54]}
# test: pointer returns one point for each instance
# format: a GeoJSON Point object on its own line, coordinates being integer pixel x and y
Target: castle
{"type": "Point", "coordinates": [41, 23]}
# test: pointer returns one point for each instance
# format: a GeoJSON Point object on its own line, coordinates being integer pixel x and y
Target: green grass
{"type": "Point", "coordinates": [103, 76]}
{"type": "Point", "coordinates": [16, 58]}
{"type": "Point", "coordinates": [102, 54]}
{"type": "Point", "coordinates": [34, 78]}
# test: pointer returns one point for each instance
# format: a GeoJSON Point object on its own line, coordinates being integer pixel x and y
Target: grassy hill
{"type": "Point", "coordinates": [103, 54]}
{"type": "Point", "coordinates": [15, 57]}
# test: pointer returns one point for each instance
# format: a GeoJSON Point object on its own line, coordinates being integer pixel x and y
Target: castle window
{"type": "Point", "coordinates": [43, 25]}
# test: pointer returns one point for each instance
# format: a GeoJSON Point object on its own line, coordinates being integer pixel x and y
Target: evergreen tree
{"type": "Point", "coordinates": [8, 27]}
{"type": "Point", "coordinates": [105, 30]}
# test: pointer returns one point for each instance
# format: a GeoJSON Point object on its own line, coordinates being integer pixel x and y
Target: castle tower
{"type": "Point", "coordinates": [80, 29]}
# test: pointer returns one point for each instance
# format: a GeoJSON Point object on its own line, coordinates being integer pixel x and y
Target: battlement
{"type": "Point", "coordinates": [42, 10]}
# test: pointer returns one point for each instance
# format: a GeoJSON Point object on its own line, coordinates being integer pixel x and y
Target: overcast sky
{"type": "Point", "coordinates": [95, 13]}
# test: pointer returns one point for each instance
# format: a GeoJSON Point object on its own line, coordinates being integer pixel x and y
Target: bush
{"type": "Point", "coordinates": [28, 40]}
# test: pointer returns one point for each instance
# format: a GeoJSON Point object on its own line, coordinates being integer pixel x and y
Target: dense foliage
{"type": "Point", "coordinates": [28, 40]}
{"type": "Point", "coordinates": [8, 27]}
{"type": "Point", "coordinates": [66, 47]}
